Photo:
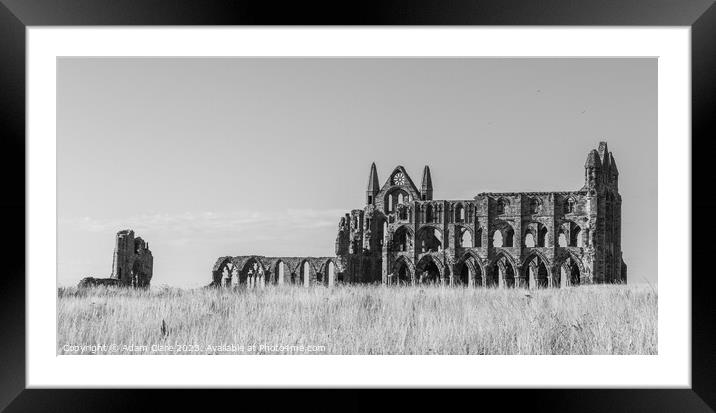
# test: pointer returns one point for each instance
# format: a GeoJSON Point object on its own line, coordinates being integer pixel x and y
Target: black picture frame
{"type": "Point", "coordinates": [16, 15]}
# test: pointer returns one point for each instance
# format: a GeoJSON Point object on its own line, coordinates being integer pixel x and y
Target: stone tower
{"type": "Point", "coordinates": [132, 263]}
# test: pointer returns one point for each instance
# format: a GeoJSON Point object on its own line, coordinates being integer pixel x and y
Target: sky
{"type": "Point", "coordinates": [207, 157]}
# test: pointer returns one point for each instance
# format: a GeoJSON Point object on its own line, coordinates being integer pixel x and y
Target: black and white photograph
{"type": "Point", "coordinates": [495, 196]}
{"type": "Point", "coordinates": [357, 206]}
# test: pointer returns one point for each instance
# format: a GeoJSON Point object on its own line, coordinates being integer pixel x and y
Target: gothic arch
{"type": "Point", "coordinates": [273, 268]}
{"type": "Point", "coordinates": [561, 262]}
{"type": "Point", "coordinates": [252, 272]}
{"type": "Point", "coordinates": [402, 233]}
{"type": "Point", "coordinates": [538, 254]}
{"type": "Point", "coordinates": [403, 271]}
{"type": "Point", "coordinates": [539, 232]}
{"type": "Point", "coordinates": [572, 232]}
{"type": "Point", "coordinates": [323, 275]}
{"type": "Point", "coordinates": [472, 254]}
{"type": "Point", "coordinates": [250, 259]}
{"type": "Point", "coordinates": [460, 232]}
{"type": "Point", "coordinates": [427, 241]}
{"type": "Point", "coordinates": [541, 279]}
{"type": "Point", "coordinates": [507, 232]}
{"type": "Point", "coordinates": [475, 267]}
{"type": "Point", "coordinates": [569, 205]}
{"type": "Point", "coordinates": [220, 262]}
{"type": "Point", "coordinates": [502, 269]}
{"type": "Point", "coordinates": [460, 212]}
{"type": "Point", "coordinates": [529, 238]}
{"type": "Point", "coordinates": [306, 277]}
{"type": "Point", "coordinates": [430, 269]}
{"type": "Point", "coordinates": [218, 268]}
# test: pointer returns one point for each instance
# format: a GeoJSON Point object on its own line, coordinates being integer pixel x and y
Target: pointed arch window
{"type": "Point", "coordinates": [459, 213]}
{"type": "Point", "coordinates": [569, 206]}
{"type": "Point", "coordinates": [429, 214]}
{"type": "Point", "coordinates": [530, 240]}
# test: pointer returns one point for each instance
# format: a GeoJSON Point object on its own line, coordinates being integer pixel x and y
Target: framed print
{"type": "Point", "coordinates": [197, 213]}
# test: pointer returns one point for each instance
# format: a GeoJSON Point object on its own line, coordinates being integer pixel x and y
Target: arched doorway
{"type": "Point", "coordinates": [536, 273]}
{"type": "Point", "coordinates": [468, 273]}
{"type": "Point", "coordinates": [502, 273]}
{"type": "Point", "coordinates": [570, 273]}
{"type": "Point", "coordinates": [428, 271]}
{"type": "Point", "coordinates": [402, 275]}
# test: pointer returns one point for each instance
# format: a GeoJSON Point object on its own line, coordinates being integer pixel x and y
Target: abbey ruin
{"type": "Point", "coordinates": [132, 263]}
{"type": "Point", "coordinates": [402, 236]}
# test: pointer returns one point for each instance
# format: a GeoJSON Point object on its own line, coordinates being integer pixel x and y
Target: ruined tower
{"type": "Point", "coordinates": [132, 263]}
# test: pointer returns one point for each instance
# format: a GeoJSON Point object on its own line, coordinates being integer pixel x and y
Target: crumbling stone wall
{"type": "Point", "coordinates": [132, 263]}
{"type": "Point", "coordinates": [94, 282]}
{"type": "Point", "coordinates": [257, 271]}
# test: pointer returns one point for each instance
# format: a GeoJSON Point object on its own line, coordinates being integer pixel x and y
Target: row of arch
{"type": "Point", "coordinates": [398, 201]}
{"type": "Point", "coordinates": [457, 211]}
{"type": "Point", "coordinates": [536, 271]}
{"type": "Point", "coordinates": [430, 238]}
{"type": "Point", "coordinates": [257, 271]}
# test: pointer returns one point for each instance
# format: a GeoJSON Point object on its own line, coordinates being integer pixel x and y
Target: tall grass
{"type": "Point", "coordinates": [605, 319]}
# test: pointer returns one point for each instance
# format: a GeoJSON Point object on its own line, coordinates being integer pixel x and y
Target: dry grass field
{"type": "Point", "coordinates": [606, 319]}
